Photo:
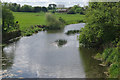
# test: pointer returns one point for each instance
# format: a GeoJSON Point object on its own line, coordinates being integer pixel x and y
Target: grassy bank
{"type": "Point", "coordinates": [27, 19]}
{"type": "Point", "coordinates": [111, 58]}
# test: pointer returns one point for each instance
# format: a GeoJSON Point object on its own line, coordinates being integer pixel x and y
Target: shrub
{"type": "Point", "coordinates": [71, 11]}
{"type": "Point", "coordinates": [53, 23]}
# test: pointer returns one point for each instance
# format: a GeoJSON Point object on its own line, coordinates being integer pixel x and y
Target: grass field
{"type": "Point", "coordinates": [27, 19]}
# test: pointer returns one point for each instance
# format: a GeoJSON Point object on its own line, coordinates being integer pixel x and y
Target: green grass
{"type": "Point", "coordinates": [71, 18]}
{"type": "Point", "coordinates": [27, 19]}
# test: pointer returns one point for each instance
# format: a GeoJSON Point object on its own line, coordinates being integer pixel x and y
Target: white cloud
{"type": "Point", "coordinates": [67, 3]}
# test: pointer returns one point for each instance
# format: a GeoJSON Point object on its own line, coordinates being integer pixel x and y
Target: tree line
{"type": "Point", "coordinates": [77, 9]}
{"type": "Point", "coordinates": [25, 8]}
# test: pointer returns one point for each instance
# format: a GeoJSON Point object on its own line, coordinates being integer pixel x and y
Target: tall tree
{"type": "Point", "coordinates": [101, 19]}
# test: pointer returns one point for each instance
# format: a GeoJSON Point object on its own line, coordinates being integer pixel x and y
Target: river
{"type": "Point", "coordinates": [39, 56]}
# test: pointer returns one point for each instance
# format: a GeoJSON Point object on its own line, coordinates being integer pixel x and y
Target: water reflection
{"type": "Point", "coordinates": [91, 66]}
{"type": "Point", "coordinates": [8, 56]}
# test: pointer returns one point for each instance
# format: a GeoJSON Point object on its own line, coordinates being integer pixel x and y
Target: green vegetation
{"type": "Point", "coordinates": [26, 20]}
{"type": "Point", "coordinates": [77, 9]}
{"type": "Point", "coordinates": [102, 24]}
{"type": "Point", "coordinates": [10, 29]}
{"type": "Point", "coordinates": [25, 8]}
{"type": "Point", "coordinates": [72, 32]}
{"type": "Point", "coordinates": [53, 23]}
{"type": "Point", "coordinates": [111, 58]}
{"type": "Point", "coordinates": [61, 42]}
{"type": "Point", "coordinates": [103, 27]}
{"type": "Point", "coordinates": [7, 20]}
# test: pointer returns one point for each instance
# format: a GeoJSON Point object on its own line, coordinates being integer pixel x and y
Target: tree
{"type": "Point", "coordinates": [7, 19]}
{"type": "Point", "coordinates": [80, 10]}
{"type": "Point", "coordinates": [18, 8]}
{"type": "Point", "coordinates": [101, 24]}
{"type": "Point", "coordinates": [71, 11]}
{"type": "Point", "coordinates": [52, 6]}
{"type": "Point", "coordinates": [37, 9]}
{"type": "Point", "coordinates": [26, 8]}
{"type": "Point", "coordinates": [44, 9]}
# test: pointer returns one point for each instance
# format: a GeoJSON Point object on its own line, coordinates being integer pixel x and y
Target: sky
{"type": "Point", "coordinates": [67, 3]}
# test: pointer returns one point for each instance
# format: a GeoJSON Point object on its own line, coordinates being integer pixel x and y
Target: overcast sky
{"type": "Point", "coordinates": [67, 3]}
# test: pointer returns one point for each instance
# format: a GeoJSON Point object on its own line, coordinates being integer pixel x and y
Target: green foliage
{"type": "Point", "coordinates": [80, 10]}
{"type": "Point", "coordinates": [31, 30]}
{"type": "Point", "coordinates": [44, 9]}
{"type": "Point", "coordinates": [114, 59]}
{"type": "Point", "coordinates": [101, 24]}
{"type": "Point", "coordinates": [61, 42]}
{"type": "Point", "coordinates": [72, 32]}
{"type": "Point", "coordinates": [71, 11]}
{"type": "Point", "coordinates": [111, 57]}
{"type": "Point", "coordinates": [114, 71]}
{"type": "Point", "coordinates": [53, 22]}
{"type": "Point", "coordinates": [12, 6]}
{"type": "Point", "coordinates": [98, 56]}
{"type": "Point", "coordinates": [62, 20]}
{"type": "Point", "coordinates": [52, 6]}
{"type": "Point", "coordinates": [106, 53]}
{"type": "Point", "coordinates": [27, 8]}
{"type": "Point", "coordinates": [102, 27]}
{"type": "Point", "coordinates": [37, 9]}
{"type": "Point", "coordinates": [7, 20]}
{"type": "Point", "coordinates": [77, 9]}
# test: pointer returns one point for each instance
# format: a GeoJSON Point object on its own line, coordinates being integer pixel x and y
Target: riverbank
{"type": "Point", "coordinates": [103, 30]}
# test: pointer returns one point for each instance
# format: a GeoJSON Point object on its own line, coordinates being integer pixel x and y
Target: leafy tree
{"type": "Point", "coordinates": [26, 8]}
{"type": "Point", "coordinates": [101, 24]}
{"type": "Point", "coordinates": [18, 8]}
{"type": "Point", "coordinates": [71, 11]}
{"type": "Point", "coordinates": [37, 9]}
{"type": "Point", "coordinates": [76, 9]}
{"type": "Point", "coordinates": [7, 19]}
{"type": "Point", "coordinates": [44, 9]}
{"type": "Point", "coordinates": [12, 6]}
{"type": "Point", "coordinates": [52, 6]}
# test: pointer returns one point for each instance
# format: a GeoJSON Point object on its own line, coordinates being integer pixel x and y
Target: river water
{"type": "Point", "coordinates": [39, 56]}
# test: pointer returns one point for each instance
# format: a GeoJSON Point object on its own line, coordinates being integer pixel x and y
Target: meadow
{"type": "Point", "coordinates": [27, 19]}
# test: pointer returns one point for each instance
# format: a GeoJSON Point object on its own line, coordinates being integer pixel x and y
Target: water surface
{"type": "Point", "coordinates": [38, 56]}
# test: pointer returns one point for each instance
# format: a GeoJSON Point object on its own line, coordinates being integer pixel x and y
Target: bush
{"type": "Point", "coordinates": [62, 20]}
{"type": "Point", "coordinates": [71, 11]}
{"type": "Point", "coordinates": [53, 23]}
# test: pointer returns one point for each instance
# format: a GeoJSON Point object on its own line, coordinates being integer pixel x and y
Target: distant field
{"type": "Point", "coordinates": [26, 19]}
